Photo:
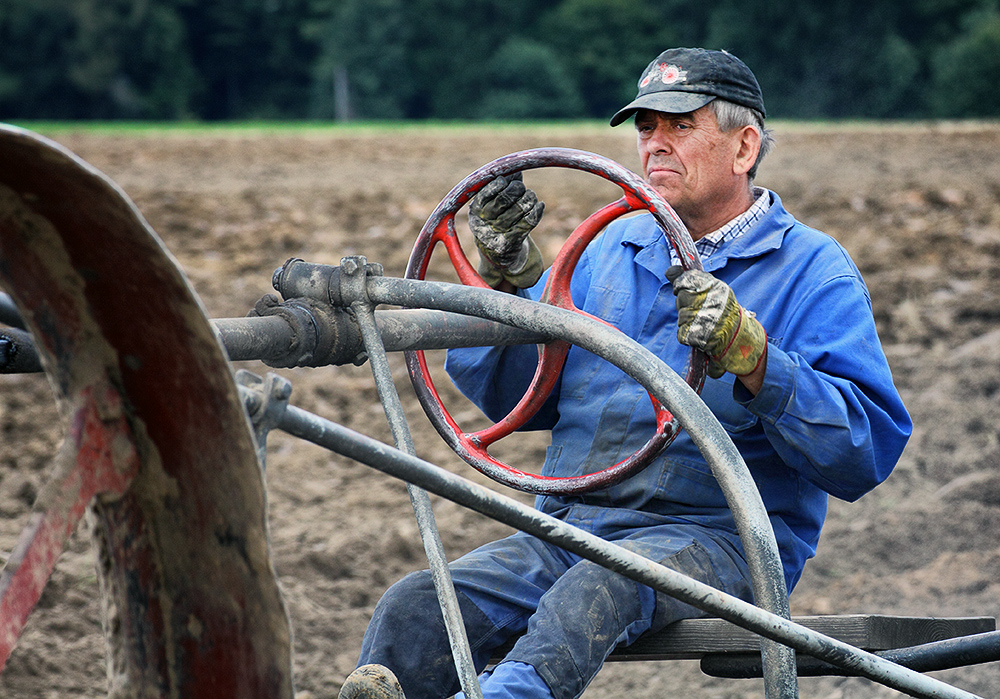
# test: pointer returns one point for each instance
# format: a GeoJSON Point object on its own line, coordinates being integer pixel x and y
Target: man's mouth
{"type": "Point", "coordinates": [661, 170]}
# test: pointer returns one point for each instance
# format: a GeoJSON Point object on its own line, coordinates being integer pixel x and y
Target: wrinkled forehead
{"type": "Point", "coordinates": [702, 114]}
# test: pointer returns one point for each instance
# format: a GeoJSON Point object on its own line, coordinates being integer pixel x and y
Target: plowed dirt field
{"type": "Point", "coordinates": [917, 206]}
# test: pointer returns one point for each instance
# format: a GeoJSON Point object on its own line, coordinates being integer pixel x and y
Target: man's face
{"type": "Point", "coordinates": [688, 160]}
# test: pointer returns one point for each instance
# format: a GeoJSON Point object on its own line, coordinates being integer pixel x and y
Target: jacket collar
{"type": "Point", "coordinates": [762, 238]}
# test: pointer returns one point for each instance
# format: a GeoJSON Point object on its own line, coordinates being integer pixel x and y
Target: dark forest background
{"type": "Point", "coordinates": [482, 59]}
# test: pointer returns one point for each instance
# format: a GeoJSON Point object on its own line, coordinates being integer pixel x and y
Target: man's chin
{"type": "Point", "coordinates": [666, 187]}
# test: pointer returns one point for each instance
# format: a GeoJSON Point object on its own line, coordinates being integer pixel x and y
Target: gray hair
{"type": "Point", "coordinates": [729, 116]}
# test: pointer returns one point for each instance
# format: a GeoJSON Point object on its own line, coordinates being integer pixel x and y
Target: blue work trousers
{"type": "Point", "coordinates": [569, 613]}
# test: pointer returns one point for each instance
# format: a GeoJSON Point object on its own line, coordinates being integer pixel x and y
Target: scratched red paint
{"type": "Point", "coordinates": [472, 447]}
{"type": "Point", "coordinates": [93, 471]}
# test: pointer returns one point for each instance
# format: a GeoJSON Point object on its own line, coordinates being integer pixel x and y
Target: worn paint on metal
{"type": "Point", "coordinates": [192, 602]}
{"type": "Point", "coordinates": [97, 457]}
{"type": "Point", "coordinates": [440, 228]}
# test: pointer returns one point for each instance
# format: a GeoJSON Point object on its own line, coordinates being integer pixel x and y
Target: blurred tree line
{"type": "Point", "coordinates": [469, 59]}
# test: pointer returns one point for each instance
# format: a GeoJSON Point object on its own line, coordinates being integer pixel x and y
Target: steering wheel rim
{"type": "Point", "coordinates": [440, 228]}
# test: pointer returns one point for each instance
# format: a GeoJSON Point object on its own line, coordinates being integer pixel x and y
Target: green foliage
{"type": "Point", "coordinates": [967, 70]}
{"type": "Point", "coordinates": [472, 59]}
{"type": "Point", "coordinates": [605, 44]}
{"type": "Point", "coordinates": [32, 58]}
{"type": "Point", "coordinates": [526, 80]}
{"type": "Point", "coordinates": [251, 57]}
{"type": "Point", "coordinates": [453, 41]}
{"type": "Point", "coordinates": [835, 59]}
{"type": "Point", "coordinates": [369, 40]}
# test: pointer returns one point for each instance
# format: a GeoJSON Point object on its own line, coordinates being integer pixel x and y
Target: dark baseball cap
{"type": "Point", "coordinates": [683, 80]}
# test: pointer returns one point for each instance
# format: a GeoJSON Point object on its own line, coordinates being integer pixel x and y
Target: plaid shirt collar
{"type": "Point", "coordinates": [710, 243]}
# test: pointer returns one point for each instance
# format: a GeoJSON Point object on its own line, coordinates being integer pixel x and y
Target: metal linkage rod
{"type": "Point", "coordinates": [382, 457]}
{"type": "Point", "coordinates": [421, 502]}
{"type": "Point", "coordinates": [949, 653]}
{"type": "Point", "coordinates": [277, 339]}
{"type": "Point", "coordinates": [426, 329]}
{"type": "Point", "coordinates": [9, 314]}
{"type": "Point", "coordinates": [929, 657]}
{"type": "Point", "coordinates": [322, 283]}
{"type": "Point", "coordinates": [268, 337]}
{"type": "Point", "coordinates": [18, 354]}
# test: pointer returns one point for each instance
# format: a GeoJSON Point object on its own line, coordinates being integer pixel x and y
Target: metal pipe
{"type": "Point", "coordinates": [929, 657]}
{"type": "Point", "coordinates": [382, 457]}
{"type": "Point", "coordinates": [275, 337]}
{"type": "Point", "coordinates": [272, 338]}
{"type": "Point", "coordinates": [322, 282]}
{"type": "Point", "coordinates": [426, 329]}
{"type": "Point", "coordinates": [9, 313]}
{"type": "Point", "coordinates": [263, 337]}
{"type": "Point", "coordinates": [949, 653]}
{"type": "Point", "coordinates": [18, 354]}
{"type": "Point", "coordinates": [728, 466]}
{"type": "Point", "coordinates": [423, 512]}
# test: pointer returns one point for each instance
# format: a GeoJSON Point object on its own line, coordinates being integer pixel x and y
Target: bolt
{"type": "Point", "coordinates": [281, 390]}
{"type": "Point", "coordinates": [349, 265]}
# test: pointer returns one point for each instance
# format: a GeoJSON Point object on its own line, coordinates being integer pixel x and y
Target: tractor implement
{"type": "Point", "coordinates": [166, 445]}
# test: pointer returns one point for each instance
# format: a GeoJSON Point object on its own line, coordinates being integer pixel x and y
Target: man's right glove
{"type": "Point", "coordinates": [710, 319]}
{"type": "Point", "coordinates": [501, 216]}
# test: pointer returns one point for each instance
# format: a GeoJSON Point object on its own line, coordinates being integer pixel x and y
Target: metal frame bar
{"type": "Point", "coordinates": [946, 654]}
{"type": "Point", "coordinates": [341, 440]}
{"type": "Point", "coordinates": [325, 284]}
{"type": "Point", "coordinates": [421, 502]}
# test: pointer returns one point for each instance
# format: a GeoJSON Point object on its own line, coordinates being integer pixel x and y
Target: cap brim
{"type": "Point", "coordinates": [671, 102]}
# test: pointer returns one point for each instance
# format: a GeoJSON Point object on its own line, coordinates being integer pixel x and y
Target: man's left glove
{"type": "Point", "coordinates": [501, 216]}
{"type": "Point", "coordinates": [711, 320]}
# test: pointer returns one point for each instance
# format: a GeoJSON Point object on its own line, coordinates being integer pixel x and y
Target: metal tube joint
{"type": "Point", "coordinates": [324, 283]}
{"type": "Point", "coordinates": [321, 334]}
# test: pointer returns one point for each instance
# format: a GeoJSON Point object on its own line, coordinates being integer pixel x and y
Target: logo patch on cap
{"type": "Point", "coordinates": [667, 73]}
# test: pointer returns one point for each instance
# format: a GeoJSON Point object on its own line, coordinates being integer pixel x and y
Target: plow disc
{"type": "Point", "coordinates": [158, 445]}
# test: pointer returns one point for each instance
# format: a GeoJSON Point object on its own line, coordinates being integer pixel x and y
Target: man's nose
{"type": "Point", "coordinates": [660, 141]}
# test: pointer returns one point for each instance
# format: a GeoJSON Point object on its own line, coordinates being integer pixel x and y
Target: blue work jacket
{"type": "Point", "coordinates": [828, 419]}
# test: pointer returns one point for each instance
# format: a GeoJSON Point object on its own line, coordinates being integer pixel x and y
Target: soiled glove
{"type": "Point", "coordinates": [710, 319]}
{"type": "Point", "coordinates": [501, 216]}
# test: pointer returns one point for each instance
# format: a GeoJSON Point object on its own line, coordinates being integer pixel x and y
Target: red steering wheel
{"type": "Point", "coordinates": [440, 228]}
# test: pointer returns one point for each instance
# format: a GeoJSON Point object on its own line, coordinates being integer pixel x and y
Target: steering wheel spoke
{"type": "Point", "coordinates": [551, 358]}
{"type": "Point", "coordinates": [444, 233]}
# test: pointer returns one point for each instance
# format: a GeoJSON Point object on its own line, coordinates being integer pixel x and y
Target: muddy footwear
{"type": "Point", "coordinates": [371, 682]}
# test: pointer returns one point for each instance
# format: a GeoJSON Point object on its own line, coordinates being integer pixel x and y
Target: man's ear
{"type": "Point", "coordinates": [749, 147]}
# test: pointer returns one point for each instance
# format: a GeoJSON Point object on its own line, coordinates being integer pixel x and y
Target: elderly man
{"type": "Point", "coordinates": [798, 379]}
